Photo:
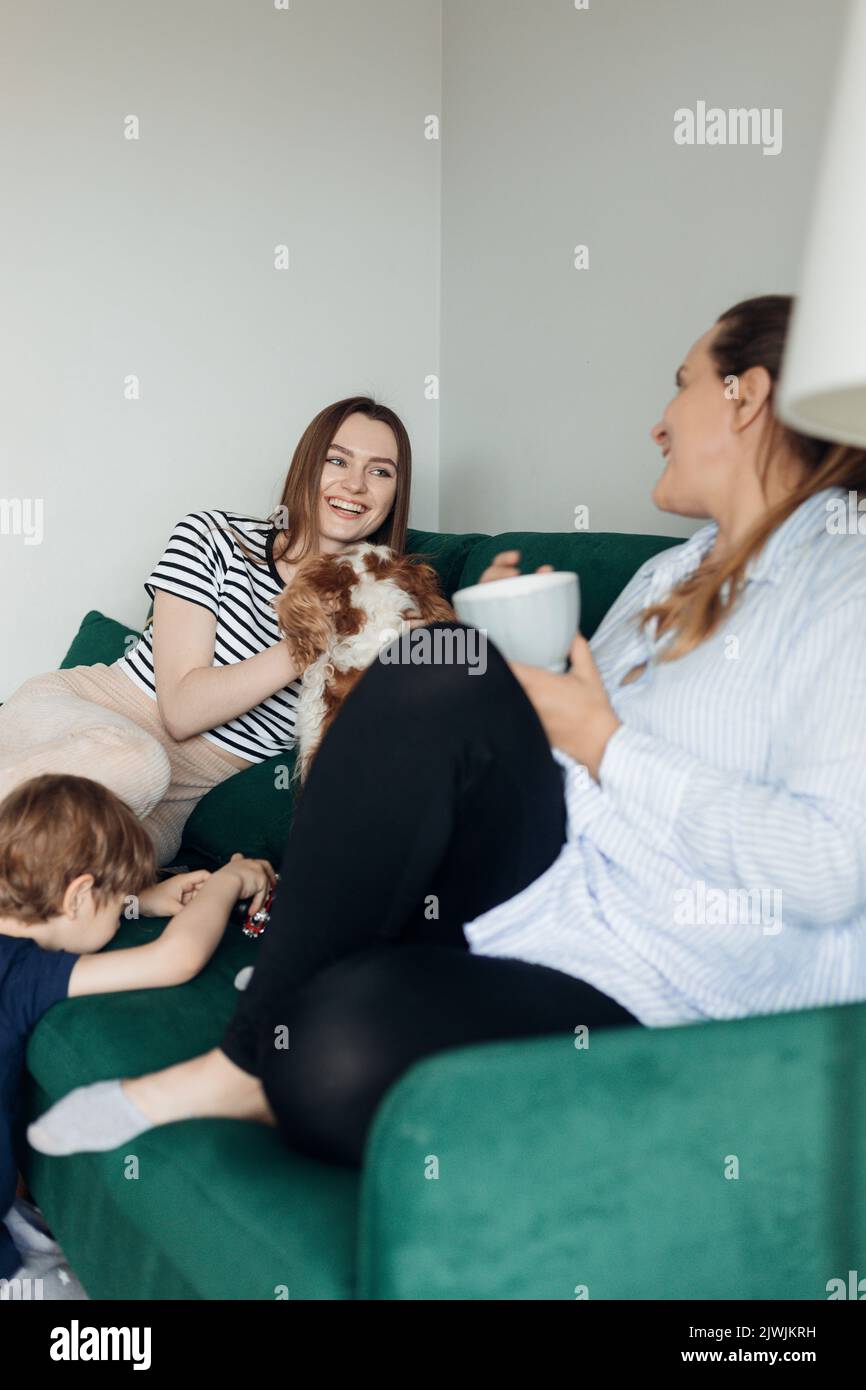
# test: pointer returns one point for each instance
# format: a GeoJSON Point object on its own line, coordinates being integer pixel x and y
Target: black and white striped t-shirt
{"type": "Point", "coordinates": [204, 564]}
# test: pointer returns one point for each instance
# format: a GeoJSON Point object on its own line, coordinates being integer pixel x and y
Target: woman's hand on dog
{"type": "Point", "coordinates": [506, 566]}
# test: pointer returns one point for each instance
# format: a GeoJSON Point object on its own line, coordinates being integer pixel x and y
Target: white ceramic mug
{"type": "Point", "coordinates": [532, 618]}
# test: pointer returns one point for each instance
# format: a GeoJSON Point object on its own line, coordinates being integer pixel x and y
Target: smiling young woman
{"type": "Point", "coordinates": [209, 689]}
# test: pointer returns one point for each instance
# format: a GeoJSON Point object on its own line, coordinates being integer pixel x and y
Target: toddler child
{"type": "Point", "coordinates": [72, 856]}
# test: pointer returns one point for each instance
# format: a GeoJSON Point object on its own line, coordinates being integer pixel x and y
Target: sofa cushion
{"type": "Point", "coordinates": [604, 562]}
{"type": "Point", "coordinates": [447, 554]}
{"type": "Point", "coordinates": [99, 639]}
{"type": "Point", "coordinates": [250, 812]}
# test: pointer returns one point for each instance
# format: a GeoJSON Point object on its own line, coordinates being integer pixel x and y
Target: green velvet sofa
{"type": "Point", "coordinates": [503, 1171]}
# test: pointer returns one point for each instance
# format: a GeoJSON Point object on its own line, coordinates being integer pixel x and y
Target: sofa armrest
{"type": "Point", "coordinates": [719, 1160]}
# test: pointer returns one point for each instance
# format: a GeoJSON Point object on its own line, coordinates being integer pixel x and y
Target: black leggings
{"type": "Point", "coordinates": [433, 797]}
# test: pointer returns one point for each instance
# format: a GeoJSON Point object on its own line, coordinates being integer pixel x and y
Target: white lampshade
{"type": "Point", "coordinates": [823, 386]}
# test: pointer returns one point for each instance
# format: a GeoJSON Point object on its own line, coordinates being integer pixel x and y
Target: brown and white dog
{"type": "Point", "coordinates": [337, 614]}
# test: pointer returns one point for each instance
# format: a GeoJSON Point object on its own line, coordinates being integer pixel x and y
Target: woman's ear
{"type": "Point", "coordinates": [754, 389]}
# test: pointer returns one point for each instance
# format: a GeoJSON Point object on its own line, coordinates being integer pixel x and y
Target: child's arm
{"type": "Point", "coordinates": [167, 897]}
{"type": "Point", "coordinates": [188, 942]}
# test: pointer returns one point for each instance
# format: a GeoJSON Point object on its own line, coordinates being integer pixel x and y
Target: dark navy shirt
{"type": "Point", "coordinates": [31, 980]}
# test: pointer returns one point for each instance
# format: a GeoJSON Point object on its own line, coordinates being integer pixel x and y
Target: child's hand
{"type": "Point", "coordinates": [167, 898]}
{"type": "Point", "coordinates": [255, 878]}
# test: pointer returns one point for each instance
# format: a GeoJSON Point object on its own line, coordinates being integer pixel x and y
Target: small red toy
{"type": "Point", "coordinates": [253, 923]}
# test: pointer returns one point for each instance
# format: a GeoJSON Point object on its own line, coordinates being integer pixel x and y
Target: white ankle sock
{"type": "Point", "coordinates": [90, 1119]}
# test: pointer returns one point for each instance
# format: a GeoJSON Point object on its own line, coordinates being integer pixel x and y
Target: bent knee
{"type": "Point", "coordinates": [47, 683]}
{"type": "Point", "coordinates": [326, 1084]}
{"type": "Point", "coordinates": [442, 663]}
{"type": "Point", "coordinates": [131, 763]}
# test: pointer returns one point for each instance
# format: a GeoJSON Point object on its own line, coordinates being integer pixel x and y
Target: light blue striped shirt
{"type": "Point", "coordinates": [718, 868]}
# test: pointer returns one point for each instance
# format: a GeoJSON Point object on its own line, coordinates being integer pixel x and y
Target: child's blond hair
{"type": "Point", "coordinates": [56, 827]}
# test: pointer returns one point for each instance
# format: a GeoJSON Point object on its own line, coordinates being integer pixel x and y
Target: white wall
{"type": "Point", "coordinates": [558, 130]}
{"type": "Point", "coordinates": [260, 127]}
{"type": "Point", "coordinates": [155, 257]}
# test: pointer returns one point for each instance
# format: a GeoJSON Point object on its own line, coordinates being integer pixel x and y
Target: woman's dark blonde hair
{"type": "Point", "coordinates": [751, 334]}
{"type": "Point", "coordinates": [300, 495]}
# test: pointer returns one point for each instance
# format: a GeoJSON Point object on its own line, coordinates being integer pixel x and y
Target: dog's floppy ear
{"type": "Point", "coordinates": [346, 618]}
{"type": "Point", "coordinates": [306, 607]}
{"type": "Point", "coordinates": [422, 582]}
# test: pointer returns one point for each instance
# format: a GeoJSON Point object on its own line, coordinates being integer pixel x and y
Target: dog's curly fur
{"type": "Point", "coordinates": [337, 614]}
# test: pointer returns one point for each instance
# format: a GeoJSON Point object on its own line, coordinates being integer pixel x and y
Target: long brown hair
{"type": "Point", "coordinates": [300, 497]}
{"type": "Point", "coordinates": [751, 334]}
